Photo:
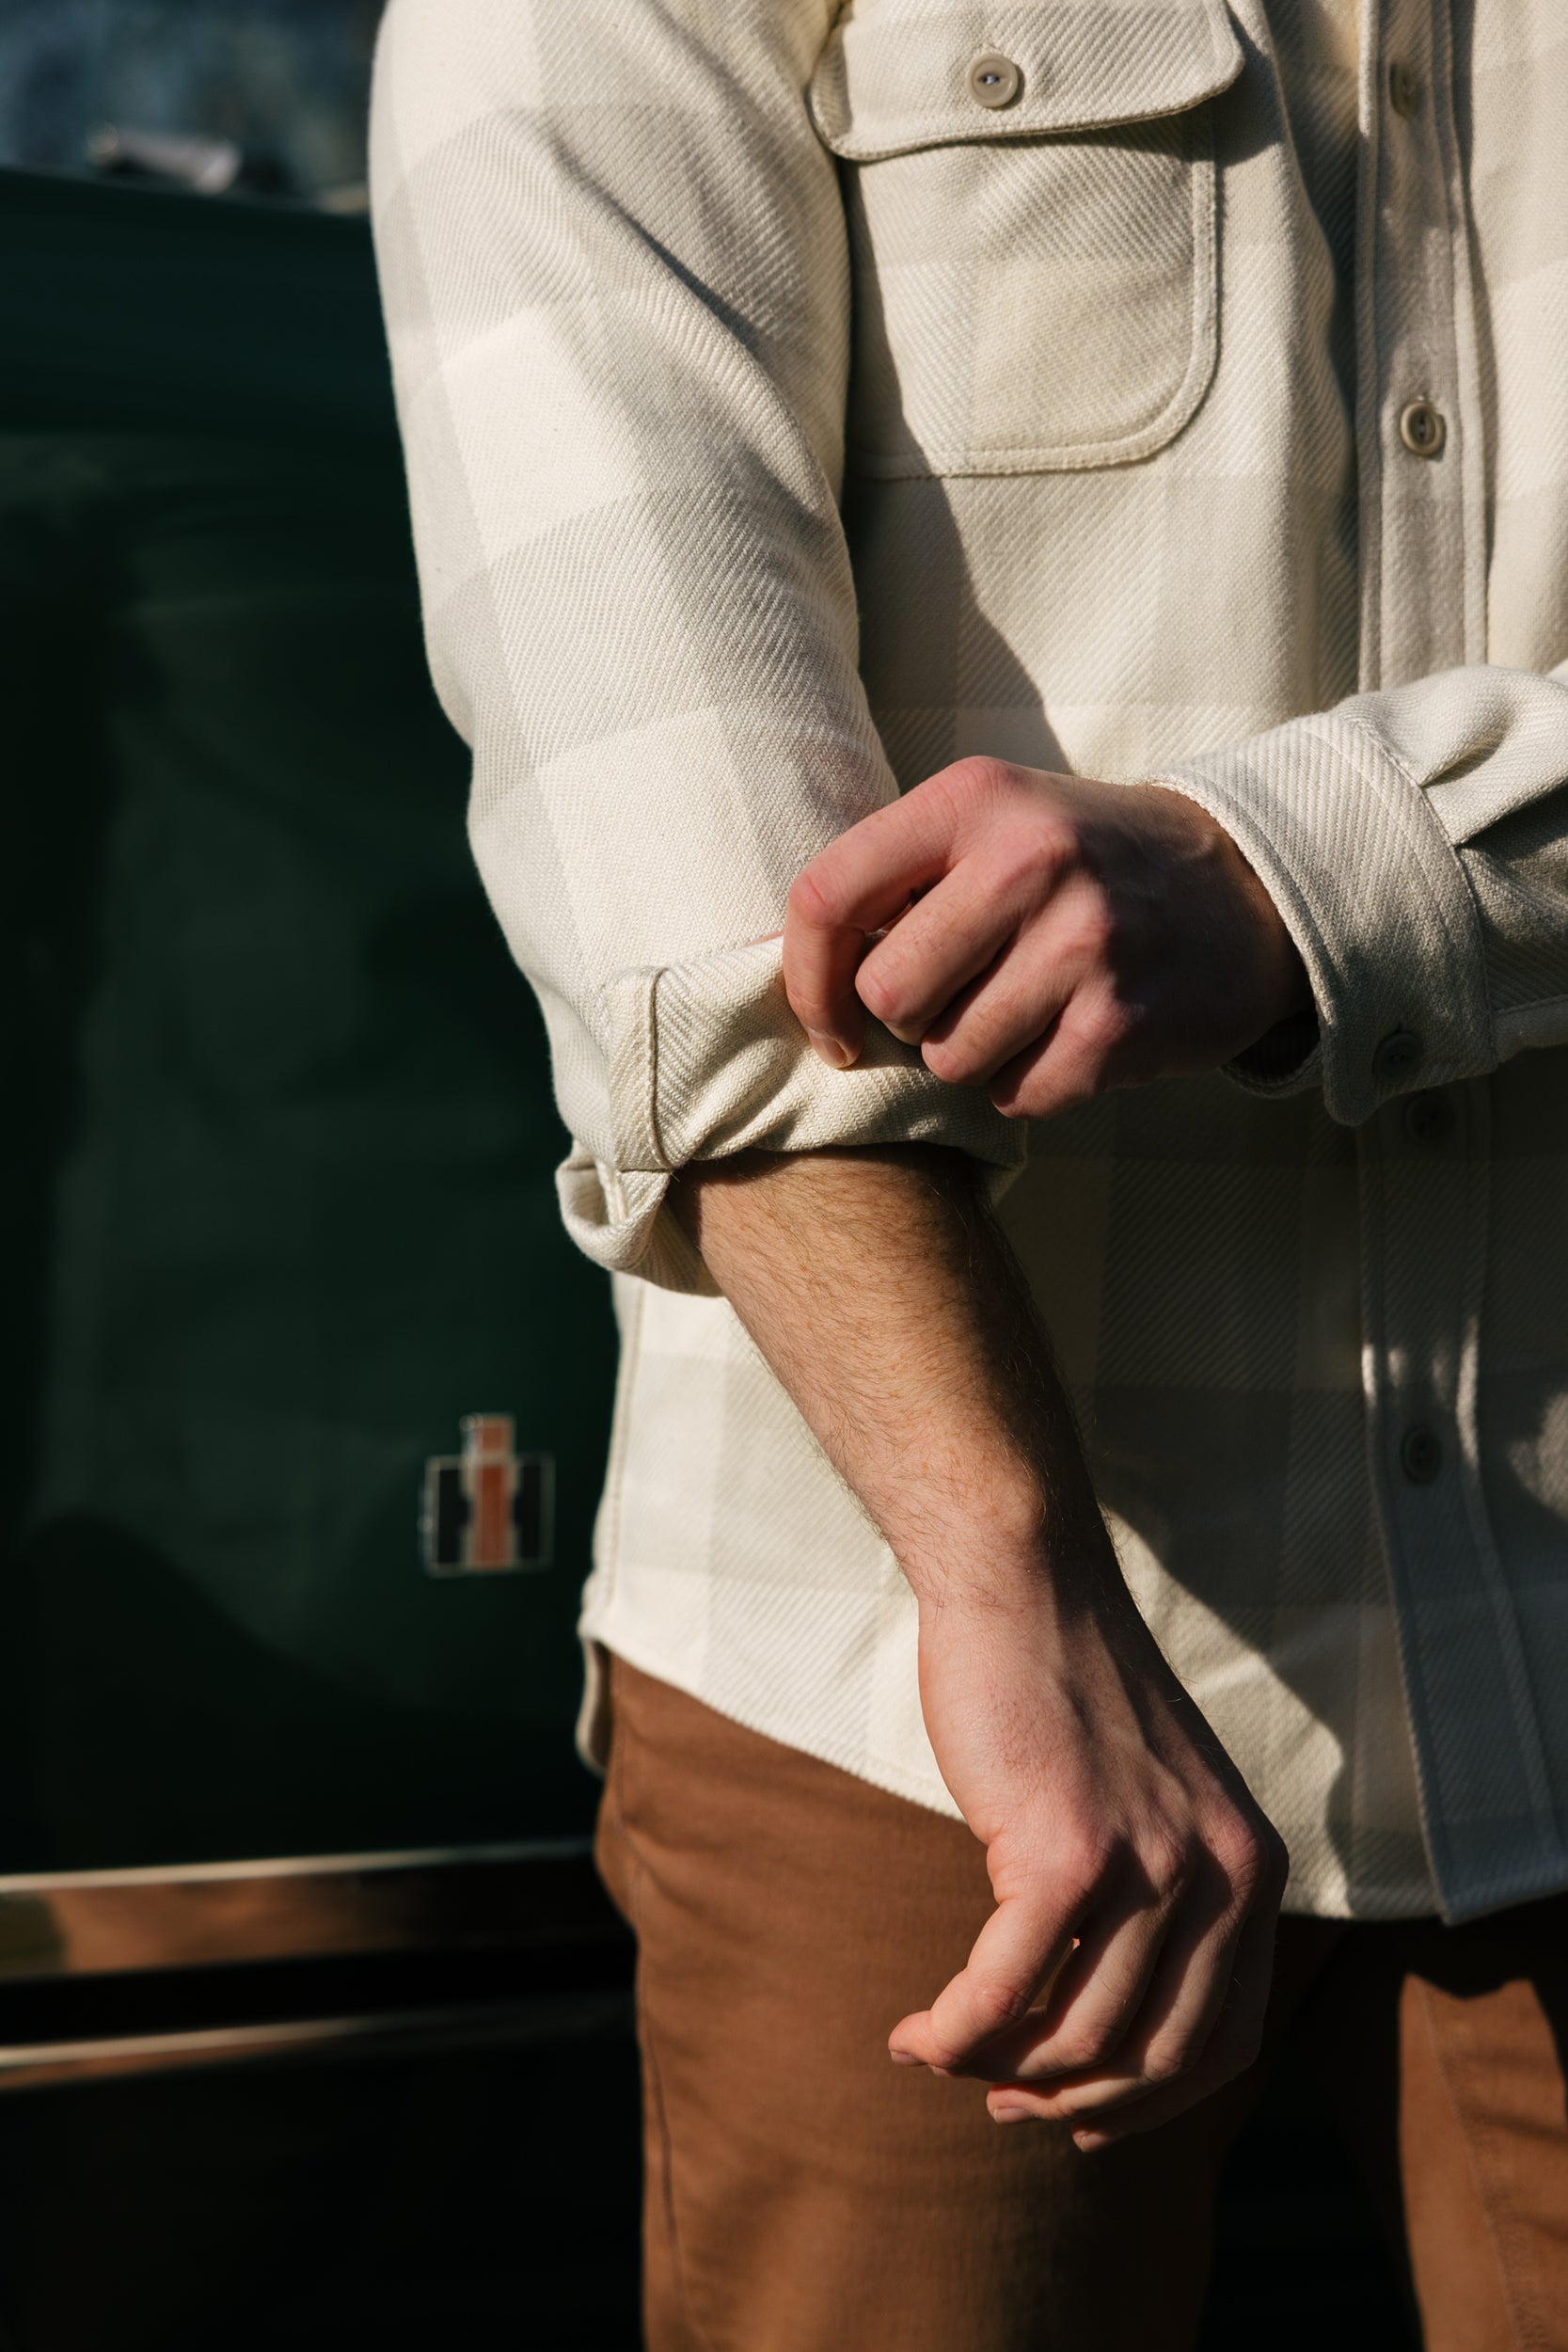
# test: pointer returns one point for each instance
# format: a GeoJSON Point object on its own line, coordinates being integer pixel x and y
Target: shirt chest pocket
{"type": "Point", "coordinates": [1032, 204]}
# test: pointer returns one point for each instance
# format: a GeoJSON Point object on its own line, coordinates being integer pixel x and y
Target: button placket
{"type": "Point", "coordinates": [1428, 1120]}
{"type": "Point", "coordinates": [1420, 599]}
{"type": "Point", "coordinates": [1425, 1158]}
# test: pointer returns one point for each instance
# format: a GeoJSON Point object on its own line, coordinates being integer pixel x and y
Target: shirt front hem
{"type": "Point", "coordinates": [1304, 1900]}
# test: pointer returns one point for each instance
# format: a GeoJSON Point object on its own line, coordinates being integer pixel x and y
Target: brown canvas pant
{"type": "Point", "coordinates": [805, 2195]}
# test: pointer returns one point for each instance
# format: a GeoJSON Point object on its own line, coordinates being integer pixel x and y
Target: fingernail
{"type": "Point", "coordinates": [830, 1050]}
{"type": "Point", "coordinates": [1089, 2142]}
{"type": "Point", "coordinates": [905, 2058]}
{"type": "Point", "coordinates": [1010, 2115]}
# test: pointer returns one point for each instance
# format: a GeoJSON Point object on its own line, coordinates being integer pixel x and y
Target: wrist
{"type": "Point", "coordinates": [1010, 1565]}
{"type": "Point", "coordinates": [1278, 989]}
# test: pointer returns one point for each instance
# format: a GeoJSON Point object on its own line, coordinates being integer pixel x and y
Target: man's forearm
{"type": "Point", "coordinates": [1135, 1881]}
{"type": "Point", "coordinates": [883, 1295]}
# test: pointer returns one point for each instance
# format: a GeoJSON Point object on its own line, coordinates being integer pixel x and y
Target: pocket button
{"type": "Point", "coordinates": [994, 81]}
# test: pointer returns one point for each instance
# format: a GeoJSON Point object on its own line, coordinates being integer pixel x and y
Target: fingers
{"type": "Point", "coordinates": [1093, 899]}
{"type": "Point", "coordinates": [999, 990]}
{"type": "Point", "coordinates": [861, 882]}
{"type": "Point", "coordinates": [1017, 1955]}
{"type": "Point", "coordinates": [1200, 2023]}
{"type": "Point", "coordinates": [819, 964]}
{"type": "Point", "coordinates": [1093, 1045]}
{"type": "Point", "coordinates": [945, 941]}
{"type": "Point", "coordinates": [1167, 2039]}
{"type": "Point", "coordinates": [1016, 1004]}
{"type": "Point", "coordinates": [1094, 2003]}
{"type": "Point", "coordinates": [1233, 2046]}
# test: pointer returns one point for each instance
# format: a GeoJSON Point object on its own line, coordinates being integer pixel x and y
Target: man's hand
{"type": "Point", "coordinates": [1125, 1970]}
{"type": "Point", "coordinates": [1046, 937]}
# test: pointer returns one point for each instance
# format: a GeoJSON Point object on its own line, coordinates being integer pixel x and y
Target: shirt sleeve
{"type": "Point", "coordinates": [615, 264]}
{"type": "Point", "coordinates": [1415, 844]}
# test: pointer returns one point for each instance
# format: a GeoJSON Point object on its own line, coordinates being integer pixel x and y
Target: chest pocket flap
{"type": "Point", "coordinates": [1032, 204]}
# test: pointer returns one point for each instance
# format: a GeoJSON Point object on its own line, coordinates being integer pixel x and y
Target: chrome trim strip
{"type": "Point", "coordinates": [296, 1866]}
{"type": "Point", "coordinates": [539, 2020]}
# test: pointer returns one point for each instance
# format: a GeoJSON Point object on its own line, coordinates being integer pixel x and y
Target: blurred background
{"type": "Point", "coordinates": [313, 2021]}
{"type": "Point", "coordinates": [281, 81]}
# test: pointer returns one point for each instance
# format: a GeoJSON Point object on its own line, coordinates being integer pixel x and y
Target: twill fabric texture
{"type": "Point", "coordinates": [801, 2195]}
{"type": "Point", "coordinates": [784, 421]}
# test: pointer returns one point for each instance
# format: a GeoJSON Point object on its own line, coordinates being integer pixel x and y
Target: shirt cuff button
{"type": "Point", "coordinates": [1397, 1057]}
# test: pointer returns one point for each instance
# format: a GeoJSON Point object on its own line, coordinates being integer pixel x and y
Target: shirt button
{"type": "Point", "coordinates": [1405, 90]}
{"type": "Point", "coordinates": [1397, 1056]}
{"type": "Point", "coordinates": [994, 81]}
{"type": "Point", "coordinates": [1420, 1456]}
{"type": "Point", "coordinates": [1429, 1119]}
{"type": "Point", "coordinates": [1422, 428]}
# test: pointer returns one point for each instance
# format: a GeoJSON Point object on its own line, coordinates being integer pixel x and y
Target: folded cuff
{"type": "Point", "coordinates": [1367, 881]}
{"type": "Point", "coordinates": [708, 1060]}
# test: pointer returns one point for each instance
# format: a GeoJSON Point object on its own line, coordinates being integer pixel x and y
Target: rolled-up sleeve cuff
{"type": "Point", "coordinates": [706, 1059]}
{"type": "Point", "coordinates": [1367, 881]}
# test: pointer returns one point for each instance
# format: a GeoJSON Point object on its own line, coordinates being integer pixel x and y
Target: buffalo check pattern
{"type": "Point", "coordinates": [784, 421]}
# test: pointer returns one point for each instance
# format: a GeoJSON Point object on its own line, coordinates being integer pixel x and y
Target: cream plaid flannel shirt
{"type": "Point", "coordinates": [786, 419]}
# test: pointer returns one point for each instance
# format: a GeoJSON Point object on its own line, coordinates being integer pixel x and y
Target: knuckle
{"type": "Point", "coordinates": [948, 1058]}
{"type": "Point", "coordinates": [994, 2004]}
{"type": "Point", "coordinates": [1172, 1866]}
{"type": "Point", "coordinates": [1089, 2101]}
{"type": "Point", "coordinates": [1097, 934]}
{"type": "Point", "coordinates": [1082, 1864]}
{"type": "Point", "coordinates": [1025, 860]}
{"type": "Point", "coordinates": [977, 780]}
{"type": "Point", "coordinates": [813, 898]}
{"type": "Point", "coordinates": [880, 994]}
{"type": "Point", "coordinates": [1255, 1862]}
{"type": "Point", "coordinates": [1103, 1022]}
{"type": "Point", "coordinates": [888, 984]}
{"type": "Point", "coordinates": [1042, 1096]}
{"type": "Point", "coordinates": [1012, 870]}
{"type": "Point", "coordinates": [1166, 2061]}
{"type": "Point", "coordinates": [1083, 2043]}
